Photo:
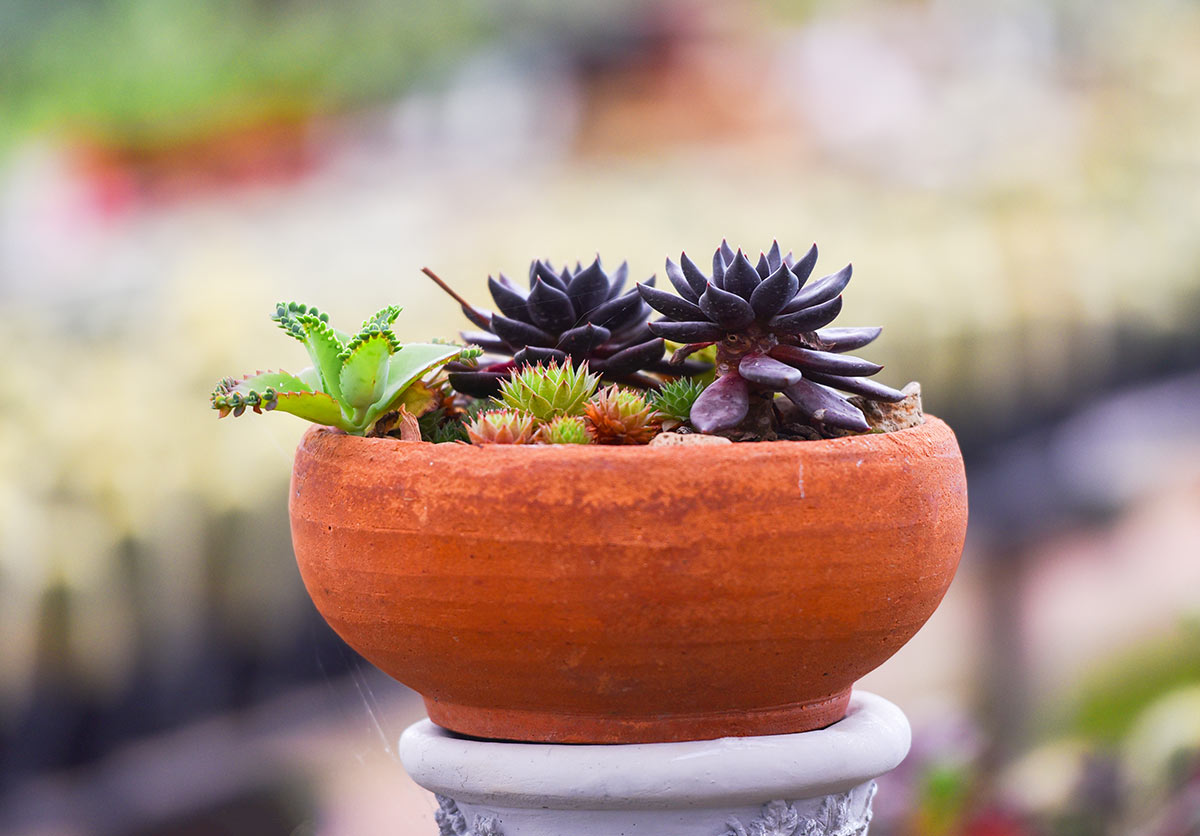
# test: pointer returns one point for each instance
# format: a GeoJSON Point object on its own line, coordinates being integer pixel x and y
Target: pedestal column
{"type": "Point", "coordinates": [809, 784]}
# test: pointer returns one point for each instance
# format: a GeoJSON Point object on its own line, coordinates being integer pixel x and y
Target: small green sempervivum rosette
{"type": "Point", "coordinates": [565, 429]}
{"type": "Point", "coordinates": [355, 379]}
{"type": "Point", "coordinates": [769, 328]}
{"type": "Point", "coordinates": [673, 402]}
{"type": "Point", "coordinates": [548, 391]}
{"type": "Point", "coordinates": [503, 426]}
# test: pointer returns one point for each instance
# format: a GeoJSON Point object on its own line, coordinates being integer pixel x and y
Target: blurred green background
{"type": "Point", "coordinates": [1017, 184]}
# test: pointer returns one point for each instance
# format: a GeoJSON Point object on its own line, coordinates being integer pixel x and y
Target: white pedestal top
{"type": "Point", "coordinates": [731, 772]}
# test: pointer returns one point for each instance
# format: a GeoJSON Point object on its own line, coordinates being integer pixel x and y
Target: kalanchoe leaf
{"type": "Point", "coordinates": [824, 361]}
{"type": "Point", "coordinates": [773, 293]}
{"type": "Point", "coordinates": [825, 407]}
{"type": "Point", "coordinates": [531, 355]}
{"type": "Point", "coordinates": [687, 332]}
{"type": "Point", "coordinates": [740, 277]}
{"type": "Point", "coordinates": [722, 406]}
{"type": "Point", "coordinates": [509, 301]}
{"type": "Point", "coordinates": [767, 371]}
{"type": "Point", "coordinates": [804, 267]}
{"type": "Point", "coordinates": [582, 341]}
{"type": "Point", "coordinates": [364, 372]}
{"type": "Point", "coordinates": [820, 291]}
{"type": "Point", "coordinates": [681, 284]}
{"type": "Point", "coordinates": [619, 312]}
{"type": "Point", "coordinates": [550, 308]}
{"type": "Point", "coordinates": [636, 357]}
{"type": "Point", "coordinates": [808, 319]}
{"type": "Point", "coordinates": [514, 332]}
{"type": "Point", "coordinates": [669, 305]}
{"type": "Point", "coordinates": [847, 339]}
{"type": "Point", "coordinates": [864, 386]}
{"type": "Point", "coordinates": [728, 310]}
{"type": "Point", "coordinates": [774, 259]}
{"type": "Point", "coordinates": [589, 288]}
{"type": "Point", "coordinates": [619, 277]}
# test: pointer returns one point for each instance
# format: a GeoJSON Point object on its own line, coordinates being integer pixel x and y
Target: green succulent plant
{"type": "Point", "coordinates": [565, 429]}
{"type": "Point", "coordinates": [674, 400]}
{"type": "Point", "coordinates": [503, 426]}
{"type": "Point", "coordinates": [547, 391]}
{"type": "Point", "coordinates": [354, 380]}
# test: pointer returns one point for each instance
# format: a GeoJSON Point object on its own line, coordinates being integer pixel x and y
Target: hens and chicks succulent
{"type": "Point", "coordinates": [574, 359]}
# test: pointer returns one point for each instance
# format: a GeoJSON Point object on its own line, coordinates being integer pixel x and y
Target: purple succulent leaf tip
{"type": "Point", "coordinates": [740, 277]}
{"type": "Point", "coordinates": [769, 372]}
{"type": "Point", "coordinates": [774, 292]}
{"type": "Point", "coordinates": [847, 339]}
{"type": "Point", "coordinates": [821, 290]}
{"type": "Point", "coordinates": [510, 302]}
{"type": "Point", "coordinates": [864, 386]}
{"type": "Point", "coordinates": [634, 358]}
{"type": "Point", "coordinates": [516, 332]}
{"type": "Point", "coordinates": [824, 361]}
{"type": "Point", "coordinates": [550, 308]}
{"type": "Point", "coordinates": [583, 340]}
{"type": "Point", "coordinates": [729, 310]}
{"type": "Point", "coordinates": [619, 277]}
{"type": "Point", "coordinates": [589, 288]}
{"type": "Point", "coordinates": [722, 406]}
{"type": "Point", "coordinates": [763, 267]}
{"type": "Point", "coordinates": [681, 284]}
{"type": "Point", "coordinates": [804, 267]}
{"type": "Point", "coordinates": [808, 319]}
{"type": "Point", "coordinates": [824, 407]}
{"type": "Point", "coordinates": [774, 258]}
{"type": "Point", "coordinates": [675, 307]}
{"type": "Point", "coordinates": [478, 317]}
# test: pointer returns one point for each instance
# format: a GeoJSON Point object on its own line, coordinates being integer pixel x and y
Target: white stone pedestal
{"type": "Point", "coordinates": [810, 784]}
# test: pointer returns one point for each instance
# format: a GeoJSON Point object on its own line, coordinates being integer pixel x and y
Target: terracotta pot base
{"type": "Point", "coordinates": [549, 727]}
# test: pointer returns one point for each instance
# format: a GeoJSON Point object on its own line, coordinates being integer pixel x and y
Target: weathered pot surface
{"type": "Point", "coordinates": [628, 594]}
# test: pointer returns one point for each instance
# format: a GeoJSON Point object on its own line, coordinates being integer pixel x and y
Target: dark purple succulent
{"type": "Point", "coordinates": [577, 315]}
{"type": "Point", "coordinates": [770, 329]}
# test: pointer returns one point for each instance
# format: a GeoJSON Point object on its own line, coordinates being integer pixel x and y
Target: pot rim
{"type": "Point", "coordinates": [846, 445]}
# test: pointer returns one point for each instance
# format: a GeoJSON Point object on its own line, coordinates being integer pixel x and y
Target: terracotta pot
{"type": "Point", "coordinates": [629, 594]}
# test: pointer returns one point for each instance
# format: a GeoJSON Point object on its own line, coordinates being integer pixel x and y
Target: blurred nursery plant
{"type": "Point", "coordinates": [355, 380]}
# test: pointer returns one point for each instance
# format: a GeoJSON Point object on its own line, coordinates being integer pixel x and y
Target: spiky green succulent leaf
{"type": "Point", "coordinates": [547, 391]}
{"type": "Point", "coordinates": [675, 398]}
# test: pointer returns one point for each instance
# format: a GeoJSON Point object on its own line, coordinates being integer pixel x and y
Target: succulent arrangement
{"type": "Point", "coordinates": [534, 374]}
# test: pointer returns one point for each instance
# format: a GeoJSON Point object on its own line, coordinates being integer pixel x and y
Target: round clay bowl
{"type": "Point", "coordinates": [629, 594]}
